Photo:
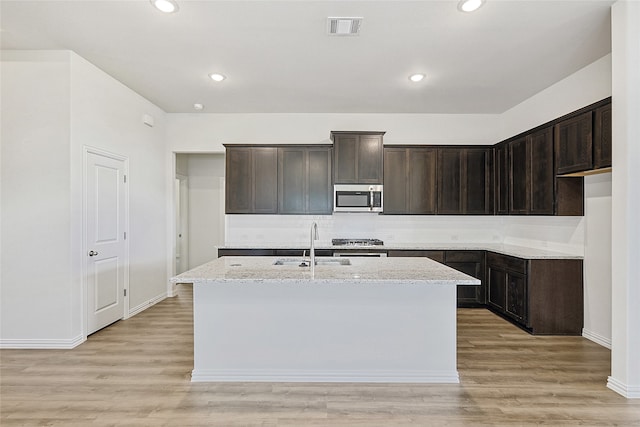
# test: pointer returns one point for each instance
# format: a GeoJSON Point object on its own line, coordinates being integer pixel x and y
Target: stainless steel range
{"type": "Point", "coordinates": [357, 242]}
{"type": "Point", "coordinates": [358, 247]}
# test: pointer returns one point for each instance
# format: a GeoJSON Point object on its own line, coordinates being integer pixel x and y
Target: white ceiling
{"type": "Point", "coordinates": [279, 59]}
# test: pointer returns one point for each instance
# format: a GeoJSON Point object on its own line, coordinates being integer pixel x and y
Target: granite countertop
{"type": "Point", "coordinates": [511, 250]}
{"type": "Point", "coordinates": [422, 271]}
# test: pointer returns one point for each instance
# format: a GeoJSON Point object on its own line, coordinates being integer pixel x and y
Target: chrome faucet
{"type": "Point", "coordinates": [312, 250]}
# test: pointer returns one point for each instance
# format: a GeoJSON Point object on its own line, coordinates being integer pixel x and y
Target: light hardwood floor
{"type": "Point", "coordinates": [137, 373]}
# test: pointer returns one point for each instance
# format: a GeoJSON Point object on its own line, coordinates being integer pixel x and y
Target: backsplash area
{"type": "Point", "coordinates": [563, 234]}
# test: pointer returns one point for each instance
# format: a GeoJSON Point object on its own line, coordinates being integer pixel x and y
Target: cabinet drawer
{"type": "Point", "coordinates": [434, 255]}
{"type": "Point", "coordinates": [506, 262]}
{"type": "Point", "coordinates": [464, 256]}
{"type": "Point", "coordinates": [245, 252]}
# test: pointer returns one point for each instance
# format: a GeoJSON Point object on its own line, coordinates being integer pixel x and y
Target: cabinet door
{"type": "Point", "coordinates": [477, 183]}
{"type": "Point", "coordinates": [434, 255]}
{"type": "Point", "coordinates": [292, 172]}
{"type": "Point", "coordinates": [542, 179]}
{"type": "Point", "coordinates": [345, 150]}
{"type": "Point", "coordinates": [501, 161]}
{"type": "Point", "coordinates": [319, 188]}
{"type": "Point", "coordinates": [574, 144]}
{"type": "Point", "coordinates": [369, 167]}
{"type": "Point", "coordinates": [396, 181]}
{"type": "Point", "coordinates": [516, 297]}
{"type": "Point", "coordinates": [265, 180]}
{"type": "Point", "coordinates": [471, 263]}
{"type": "Point", "coordinates": [449, 181]}
{"type": "Point", "coordinates": [239, 186]}
{"type": "Point", "coordinates": [304, 180]}
{"type": "Point", "coordinates": [519, 175]}
{"type": "Point", "coordinates": [496, 287]}
{"type": "Point", "coordinates": [602, 137]}
{"type": "Point", "coordinates": [358, 158]}
{"type": "Point", "coordinates": [422, 180]}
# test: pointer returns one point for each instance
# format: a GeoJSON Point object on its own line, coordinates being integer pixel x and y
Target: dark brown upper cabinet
{"type": "Point", "coordinates": [251, 180]}
{"type": "Point", "coordinates": [358, 157]}
{"type": "Point", "coordinates": [501, 178]}
{"type": "Point", "coordinates": [304, 180]}
{"type": "Point", "coordinates": [542, 176]}
{"type": "Point", "coordinates": [410, 180]}
{"type": "Point", "coordinates": [531, 174]}
{"type": "Point", "coordinates": [464, 181]}
{"type": "Point", "coordinates": [519, 176]}
{"type": "Point", "coordinates": [602, 137]}
{"type": "Point", "coordinates": [574, 139]}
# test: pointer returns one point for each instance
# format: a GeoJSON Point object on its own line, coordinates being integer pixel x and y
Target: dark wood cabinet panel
{"type": "Point", "coordinates": [245, 252]}
{"type": "Point", "coordinates": [251, 180]}
{"type": "Point", "coordinates": [477, 189]}
{"type": "Point", "coordinates": [516, 297]}
{"type": "Point", "coordinates": [501, 180]}
{"type": "Point", "coordinates": [543, 296]}
{"type": "Point", "coordinates": [410, 180]}
{"type": "Point", "coordinates": [574, 139]}
{"type": "Point", "coordinates": [602, 137]}
{"type": "Point", "coordinates": [473, 264]}
{"type": "Point", "coordinates": [464, 181]}
{"type": "Point", "coordinates": [434, 255]}
{"type": "Point", "coordinates": [358, 157]}
{"type": "Point", "coordinates": [396, 181]}
{"type": "Point", "coordinates": [496, 287]}
{"type": "Point", "coordinates": [422, 180]}
{"type": "Point", "coordinates": [450, 181]}
{"type": "Point", "coordinates": [304, 180]}
{"type": "Point", "coordinates": [542, 176]}
{"type": "Point", "coordinates": [519, 184]}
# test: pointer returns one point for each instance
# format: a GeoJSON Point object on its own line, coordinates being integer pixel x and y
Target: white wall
{"type": "Point", "coordinates": [46, 121]}
{"type": "Point", "coordinates": [206, 206]}
{"type": "Point", "coordinates": [108, 115]}
{"type": "Point", "coordinates": [36, 271]}
{"type": "Point", "coordinates": [625, 197]}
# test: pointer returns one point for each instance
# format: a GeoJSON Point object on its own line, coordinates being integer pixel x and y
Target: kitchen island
{"type": "Point", "coordinates": [374, 320]}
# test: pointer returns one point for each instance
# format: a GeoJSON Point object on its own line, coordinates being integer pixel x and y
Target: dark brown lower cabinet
{"type": "Point", "coordinates": [471, 263]}
{"type": "Point", "coordinates": [543, 296]}
{"type": "Point", "coordinates": [468, 262]}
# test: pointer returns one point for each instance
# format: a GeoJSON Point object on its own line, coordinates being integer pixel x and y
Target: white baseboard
{"type": "Point", "coordinates": [630, 392]}
{"type": "Point", "coordinates": [224, 375]}
{"type": "Point", "coordinates": [142, 307]}
{"type": "Point", "coordinates": [42, 343]}
{"type": "Point", "coordinates": [597, 338]}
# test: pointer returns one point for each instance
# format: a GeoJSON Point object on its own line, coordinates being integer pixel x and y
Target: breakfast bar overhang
{"type": "Point", "coordinates": [374, 320]}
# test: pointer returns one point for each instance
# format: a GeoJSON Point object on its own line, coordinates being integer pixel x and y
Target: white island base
{"type": "Point", "coordinates": [308, 330]}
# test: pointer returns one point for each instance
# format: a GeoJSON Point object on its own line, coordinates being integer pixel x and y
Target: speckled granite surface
{"type": "Point", "coordinates": [422, 271]}
{"type": "Point", "coordinates": [512, 250]}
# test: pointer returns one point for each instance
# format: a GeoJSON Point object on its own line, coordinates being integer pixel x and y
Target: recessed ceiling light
{"type": "Point", "coordinates": [470, 5]}
{"type": "Point", "coordinates": [217, 77]}
{"type": "Point", "coordinates": [198, 107]}
{"type": "Point", "coordinates": [166, 6]}
{"type": "Point", "coordinates": [416, 77]}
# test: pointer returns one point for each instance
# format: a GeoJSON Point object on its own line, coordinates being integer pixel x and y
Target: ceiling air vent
{"type": "Point", "coordinates": [344, 26]}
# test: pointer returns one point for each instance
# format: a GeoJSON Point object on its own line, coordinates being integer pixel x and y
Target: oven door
{"type": "Point", "coordinates": [359, 253]}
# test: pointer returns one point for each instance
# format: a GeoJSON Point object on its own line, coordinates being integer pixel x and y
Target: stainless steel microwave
{"type": "Point", "coordinates": [357, 198]}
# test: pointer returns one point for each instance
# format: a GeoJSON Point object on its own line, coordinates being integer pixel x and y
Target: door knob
{"type": "Point", "coordinates": [93, 253]}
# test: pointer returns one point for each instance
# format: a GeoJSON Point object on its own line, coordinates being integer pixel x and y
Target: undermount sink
{"type": "Point", "coordinates": [305, 262]}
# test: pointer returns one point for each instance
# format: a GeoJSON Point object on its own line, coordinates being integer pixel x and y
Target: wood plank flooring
{"type": "Point", "coordinates": [137, 373]}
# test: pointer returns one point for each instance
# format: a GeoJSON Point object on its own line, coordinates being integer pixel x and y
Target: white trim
{"type": "Point", "coordinates": [86, 150]}
{"type": "Point", "coordinates": [42, 343]}
{"type": "Point", "coordinates": [597, 338]}
{"type": "Point", "coordinates": [628, 391]}
{"type": "Point", "coordinates": [141, 307]}
{"type": "Point", "coordinates": [425, 377]}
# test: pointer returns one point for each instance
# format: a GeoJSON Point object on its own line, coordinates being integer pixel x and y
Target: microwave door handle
{"type": "Point", "coordinates": [371, 200]}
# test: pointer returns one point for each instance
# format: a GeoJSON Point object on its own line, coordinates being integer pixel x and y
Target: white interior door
{"type": "Point", "coordinates": [106, 257]}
